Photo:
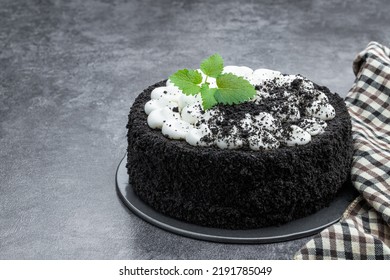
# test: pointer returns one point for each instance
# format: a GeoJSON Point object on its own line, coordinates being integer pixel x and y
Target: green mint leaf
{"type": "Point", "coordinates": [187, 80]}
{"type": "Point", "coordinates": [207, 94]}
{"type": "Point", "coordinates": [212, 66]}
{"type": "Point", "coordinates": [233, 89]}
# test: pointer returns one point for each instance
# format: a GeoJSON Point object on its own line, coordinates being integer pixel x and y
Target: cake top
{"type": "Point", "coordinates": [271, 110]}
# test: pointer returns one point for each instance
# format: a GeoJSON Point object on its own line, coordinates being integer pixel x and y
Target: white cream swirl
{"type": "Point", "coordinates": [182, 117]}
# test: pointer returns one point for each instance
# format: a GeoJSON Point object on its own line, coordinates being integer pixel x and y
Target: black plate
{"type": "Point", "coordinates": [292, 230]}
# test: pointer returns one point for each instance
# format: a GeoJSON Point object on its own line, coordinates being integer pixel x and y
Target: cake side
{"type": "Point", "coordinates": [237, 189]}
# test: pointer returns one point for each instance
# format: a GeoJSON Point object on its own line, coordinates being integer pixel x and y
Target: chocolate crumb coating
{"type": "Point", "coordinates": [237, 189]}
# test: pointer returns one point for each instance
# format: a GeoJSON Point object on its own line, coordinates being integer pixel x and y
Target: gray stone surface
{"type": "Point", "coordinates": [69, 71]}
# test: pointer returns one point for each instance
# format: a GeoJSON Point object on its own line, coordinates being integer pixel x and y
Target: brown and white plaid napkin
{"type": "Point", "coordinates": [364, 230]}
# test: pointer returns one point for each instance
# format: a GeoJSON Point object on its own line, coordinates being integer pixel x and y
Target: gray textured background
{"type": "Point", "coordinates": [69, 71]}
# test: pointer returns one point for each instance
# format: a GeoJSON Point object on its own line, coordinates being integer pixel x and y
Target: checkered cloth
{"type": "Point", "coordinates": [364, 230]}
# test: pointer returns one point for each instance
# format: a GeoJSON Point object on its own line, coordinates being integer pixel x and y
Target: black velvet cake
{"type": "Point", "coordinates": [237, 188]}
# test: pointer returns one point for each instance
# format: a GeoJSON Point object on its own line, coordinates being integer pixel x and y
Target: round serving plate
{"type": "Point", "coordinates": [293, 230]}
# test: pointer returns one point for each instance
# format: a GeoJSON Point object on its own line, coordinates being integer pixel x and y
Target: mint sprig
{"type": "Point", "coordinates": [231, 89]}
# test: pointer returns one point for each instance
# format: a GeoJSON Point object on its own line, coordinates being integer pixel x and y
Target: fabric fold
{"type": "Point", "coordinates": [364, 230]}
